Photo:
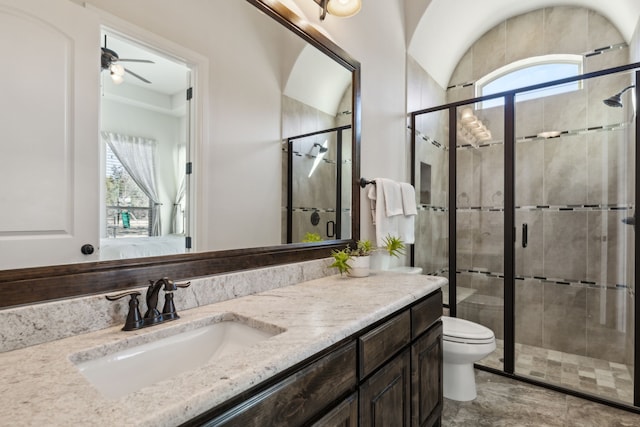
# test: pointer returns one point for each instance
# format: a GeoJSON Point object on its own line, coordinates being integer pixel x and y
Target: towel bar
{"type": "Point", "coordinates": [364, 182]}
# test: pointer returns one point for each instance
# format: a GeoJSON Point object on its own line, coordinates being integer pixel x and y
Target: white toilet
{"type": "Point", "coordinates": [464, 343]}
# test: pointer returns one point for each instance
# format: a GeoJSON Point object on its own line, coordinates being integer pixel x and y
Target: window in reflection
{"type": "Point", "coordinates": [128, 208]}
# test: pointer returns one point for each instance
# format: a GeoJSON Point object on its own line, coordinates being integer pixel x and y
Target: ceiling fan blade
{"type": "Point", "coordinates": [146, 61]}
{"type": "Point", "coordinates": [137, 76]}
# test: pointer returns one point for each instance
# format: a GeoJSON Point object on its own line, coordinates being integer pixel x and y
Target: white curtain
{"type": "Point", "coordinates": [137, 156]}
{"type": "Point", "coordinates": [176, 217]}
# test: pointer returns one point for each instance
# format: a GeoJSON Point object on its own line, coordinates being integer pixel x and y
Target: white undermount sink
{"type": "Point", "coordinates": [142, 364]}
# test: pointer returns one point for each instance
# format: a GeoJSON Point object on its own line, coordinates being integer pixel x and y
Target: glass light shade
{"type": "Point", "coordinates": [117, 69]}
{"type": "Point", "coordinates": [478, 130]}
{"type": "Point", "coordinates": [483, 136]}
{"type": "Point", "coordinates": [473, 125]}
{"type": "Point", "coordinates": [117, 79]}
{"type": "Point", "coordinates": [344, 8]}
{"type": "Point", "coordinates": [466, 115]}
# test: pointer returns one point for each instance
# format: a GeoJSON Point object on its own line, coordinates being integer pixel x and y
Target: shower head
{"type": "Point", "coordinates": [616, 100]}
{"type": "Point", "coordinates": [613, 101]}
{"type": "Point", "coordinates": [322, 149]}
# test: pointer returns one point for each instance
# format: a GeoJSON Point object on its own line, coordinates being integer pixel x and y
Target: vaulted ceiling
{"type": "Point", "coordinates": [446, 29]}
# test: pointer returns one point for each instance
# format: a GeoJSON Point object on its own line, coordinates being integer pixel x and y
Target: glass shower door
{"type": "Point", "coordinates": [574, 254]}
{"type": "Point", "coordinates": [431, 166]}
{"type": "Point", "coordinates": [479, 207]}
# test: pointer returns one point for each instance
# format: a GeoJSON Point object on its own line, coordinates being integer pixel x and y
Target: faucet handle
{"type": "Point", "coordinates": [183, 285]}
{"type": "Point", "coordinates": [134, 320]}
{"type": "Point", "coordinates": [134, 294]}
{"type": "Point", "coordinates": [169, 309]}
{"type": "Point", "coordinates": [170, 285]}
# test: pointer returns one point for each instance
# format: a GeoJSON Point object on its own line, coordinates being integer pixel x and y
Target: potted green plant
{"type": "Point", "coordinates": [392, 246]}
{"type": "Point", "coordinates": [361, 258]}
{"type": "Point", "coordinates": [311, 237]}
{"type": "Point", "coordinates": [341, 260]}
{"type": "Point", "coordinates": [354, 261]}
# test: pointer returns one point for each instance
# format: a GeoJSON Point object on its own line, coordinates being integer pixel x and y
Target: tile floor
{"type": "Point", "coordinates": [505, 402]}
{"type": "Point", "coordinates": [594, 376]}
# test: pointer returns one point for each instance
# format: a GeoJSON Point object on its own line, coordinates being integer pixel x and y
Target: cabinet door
{"type": "Point", "coordinates": [384, 398]}
{"type": "Point", "coordinates": [49, 150]}
{"type": "Point", "coordinates": [426, 378]}
{"type": "Point", "coordinates": [343, 415]}
{"type": "Point", "coordinates": [299, 397]}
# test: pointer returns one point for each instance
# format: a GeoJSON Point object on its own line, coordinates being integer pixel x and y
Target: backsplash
{"type": "Point", "coordinates": [39, 323]}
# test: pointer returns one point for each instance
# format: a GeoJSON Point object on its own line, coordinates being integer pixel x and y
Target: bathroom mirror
{"type": "Point", "coordinates": [29, 285]}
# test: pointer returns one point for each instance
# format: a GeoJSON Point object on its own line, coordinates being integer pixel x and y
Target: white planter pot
{"type": "Point", "coordinates": [360, 266]}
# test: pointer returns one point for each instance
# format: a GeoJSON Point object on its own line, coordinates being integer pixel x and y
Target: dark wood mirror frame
{"type": "Point", "coordinates": [41, 284]}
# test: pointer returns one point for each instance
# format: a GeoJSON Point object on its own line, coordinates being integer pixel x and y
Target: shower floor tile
{"type": "Point", "coordinates": [594, 376]}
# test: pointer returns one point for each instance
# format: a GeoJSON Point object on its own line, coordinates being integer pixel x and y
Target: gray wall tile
{"type": "Point", "coordinates": [564, 318]}
{"type": "Point", "coordinates": [606, 328]}
{"type": "Point", "coordinates": [565, 244]}
{"type": "Point", "coordinates": [529, 312]}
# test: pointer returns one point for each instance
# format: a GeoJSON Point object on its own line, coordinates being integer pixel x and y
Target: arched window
{"type": "Point", "coordinates": [531, 71]}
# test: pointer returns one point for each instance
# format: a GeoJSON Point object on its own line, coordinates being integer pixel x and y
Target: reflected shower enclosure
{"type": "Point", "coordinates": [317, 185]}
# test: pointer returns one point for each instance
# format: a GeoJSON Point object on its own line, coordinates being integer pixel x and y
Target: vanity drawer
{"type": "Point", "coordinates": [424, 314]}
{"type": "Point", "coordinates": [300, 397]}
{"type": "Point", "coordinates": [379, 344]}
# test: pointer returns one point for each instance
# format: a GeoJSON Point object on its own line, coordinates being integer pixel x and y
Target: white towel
{"type": "Point", "coordinates": [385, 225]}
{"type": "Point", "coordinates": [408, 199]}
{"type": "Point", "coordinates": [392, 196]}
{"type": "Point", "coordinates": [387, 196]}
{"type": "Point", "coordinates": [407, 225]}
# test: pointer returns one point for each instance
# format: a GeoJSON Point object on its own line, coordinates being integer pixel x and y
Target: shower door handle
{"type": "Point", "coordinates": [331, 228]}
{"type": "Point", "coordinates": [525, 234]}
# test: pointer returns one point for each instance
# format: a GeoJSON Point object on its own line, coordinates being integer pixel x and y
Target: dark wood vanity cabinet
{"type": "Point", "coordinates": [407, 389]}
{"type": "Point", "coordinates": [385, 398]}
{"type": "Point", "coordinates": [426, 363]}
{"type": "Point", "coordinates": [343, 415]}
{"type": "Point", "coordinates": [426, 378]}
{"type": "Point", "coordinates": [299, 397]}
{"type": "Point", "coordinates": [387, 375]}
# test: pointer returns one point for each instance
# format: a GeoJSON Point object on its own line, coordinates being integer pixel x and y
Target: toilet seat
{"type": "Point", "coordinates": [463, 331]}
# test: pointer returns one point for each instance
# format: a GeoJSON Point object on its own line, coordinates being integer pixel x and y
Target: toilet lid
{"type": "Point", "coordinates": [460, 330]}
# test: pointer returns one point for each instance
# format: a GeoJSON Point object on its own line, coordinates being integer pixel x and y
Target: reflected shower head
{"type": "Point", "coordinates": [616, 100]}
{"type": "Point", "coordinates": [322, 149]}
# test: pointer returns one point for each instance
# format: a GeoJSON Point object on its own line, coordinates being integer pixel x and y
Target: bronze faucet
{"type": "Point", "coordinates": [152, 316]}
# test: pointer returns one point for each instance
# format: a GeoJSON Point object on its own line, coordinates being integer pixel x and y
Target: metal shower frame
{"type": "Point", "coordinates": [509, 225]}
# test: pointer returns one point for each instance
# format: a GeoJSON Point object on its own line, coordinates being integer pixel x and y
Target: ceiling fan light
{"type": "Point", "coordinates": [116, 69]}
{"type": "Point", "coordinates": [117, 79]}
{"type": "Point", "coordinates": [344, 8]}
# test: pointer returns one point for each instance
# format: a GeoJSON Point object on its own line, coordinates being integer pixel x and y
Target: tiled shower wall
{"type": "Point", "coordinates": [573, 290]}
{"type": "Point", "coordinates": [316, 193]}
{"type": "Point", "coordinates": [432, 235]}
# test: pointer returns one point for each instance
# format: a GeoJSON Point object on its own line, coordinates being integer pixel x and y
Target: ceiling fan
{"type": "Point", "coordinates": [110, 61]}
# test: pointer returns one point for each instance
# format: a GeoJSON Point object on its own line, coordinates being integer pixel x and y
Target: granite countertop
{"type": "Point", "coordinates": [40, 385]}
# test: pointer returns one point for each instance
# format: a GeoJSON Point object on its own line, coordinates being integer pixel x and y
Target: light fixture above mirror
{"type": "Point", "coordinates": [341, 8]}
